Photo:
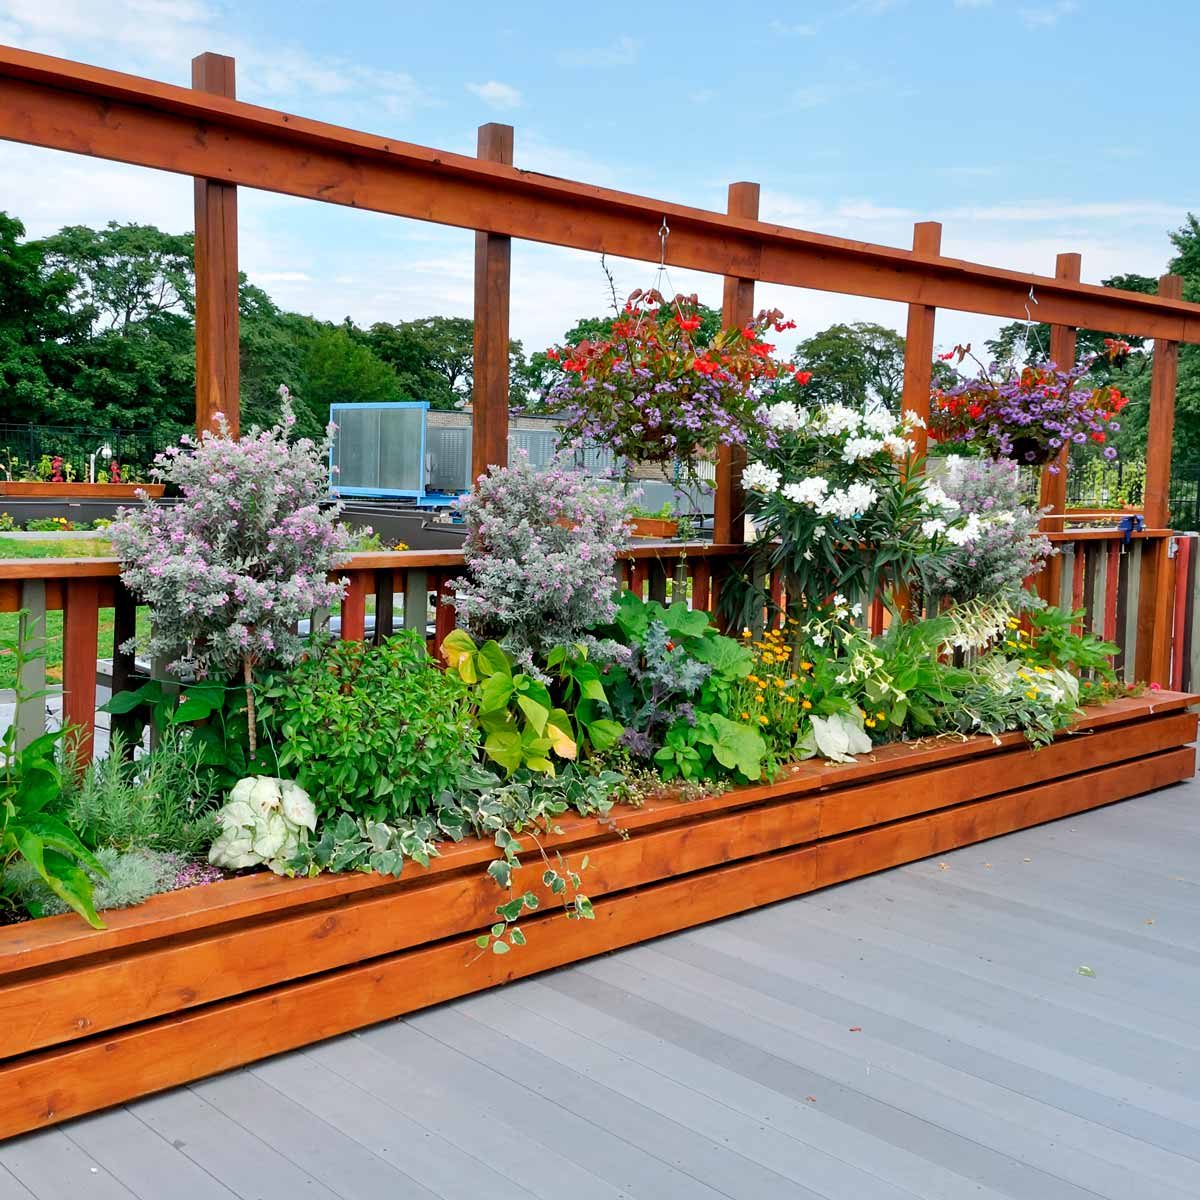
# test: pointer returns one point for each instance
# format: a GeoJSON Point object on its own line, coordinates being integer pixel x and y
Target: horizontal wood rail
{"type": "Point", "coordinates": [51, 102]}
{"type": "Point", "coordinates": [385, 591]}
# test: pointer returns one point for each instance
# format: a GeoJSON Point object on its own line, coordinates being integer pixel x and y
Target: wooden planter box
{"type": "Point", "coordinates": [80, 491]}
{"type": "Point", "coordinates": [653, 527]}
{"type": "Point", "coordinates": [199, 981]}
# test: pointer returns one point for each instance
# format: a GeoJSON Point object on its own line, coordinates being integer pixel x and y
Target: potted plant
{"type": "Point", "coordinates": [656, 391]}
{"type": "Point", "coordinates": [1028, 416]}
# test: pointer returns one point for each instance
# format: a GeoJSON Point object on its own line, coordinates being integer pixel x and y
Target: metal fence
{"type": "Point", "coordinates": [24, 446]}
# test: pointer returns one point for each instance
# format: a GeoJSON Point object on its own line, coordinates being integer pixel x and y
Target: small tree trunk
{"type": "Point", "coordinates": [251, 720]}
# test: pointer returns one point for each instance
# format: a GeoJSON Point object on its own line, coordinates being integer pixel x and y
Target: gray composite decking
{"type": "Point", "coordinates": [924, 1032]}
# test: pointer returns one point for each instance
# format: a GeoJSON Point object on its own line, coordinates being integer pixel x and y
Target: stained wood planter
{"type": "Point", "coordinates": [81, 491]}
{"type": "Point", "coordinates": [202, 980]}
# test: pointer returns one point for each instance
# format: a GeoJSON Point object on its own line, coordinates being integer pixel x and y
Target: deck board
{"type": "Point", "coordinates": [923, 1032]}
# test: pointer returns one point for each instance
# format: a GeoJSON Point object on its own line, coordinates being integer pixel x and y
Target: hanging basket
{"type": "Point", "coordinates": [1030, 452]}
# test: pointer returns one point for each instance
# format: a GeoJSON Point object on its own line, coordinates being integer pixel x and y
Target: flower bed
{"type": "Point", "coordinates": [81, 491]}
{"type": "Point", "coordinates": [201, 980]}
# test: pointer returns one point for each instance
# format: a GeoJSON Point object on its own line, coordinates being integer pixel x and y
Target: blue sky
{"type": "Point", "coordinates": [1026, 126]}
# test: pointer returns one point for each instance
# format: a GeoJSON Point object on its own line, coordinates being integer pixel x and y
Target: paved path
{"type": "Point", "coordinates": [1017, 1020]}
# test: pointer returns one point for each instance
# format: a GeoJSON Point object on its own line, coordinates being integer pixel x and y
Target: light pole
{"type": "Point", "coordinates": [105, 452]}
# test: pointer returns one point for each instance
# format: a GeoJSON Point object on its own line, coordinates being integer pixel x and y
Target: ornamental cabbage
{"type": "Point", "coordinates": [266, 820]}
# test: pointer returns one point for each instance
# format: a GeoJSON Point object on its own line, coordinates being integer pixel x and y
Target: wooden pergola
{"type": "Point", "coordinates": [224, 143]}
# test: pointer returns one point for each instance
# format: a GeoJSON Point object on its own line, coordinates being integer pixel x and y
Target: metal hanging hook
{"type": "Point", "coordinates": [664, 232]}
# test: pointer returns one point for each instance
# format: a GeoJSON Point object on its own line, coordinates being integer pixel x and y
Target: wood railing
{"type": "Point", "coordinates": [1098, 570]}
{"type": "Point", "coordinates": [385, 592]}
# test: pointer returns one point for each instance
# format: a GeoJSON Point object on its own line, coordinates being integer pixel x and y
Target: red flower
{"type": "Point", "coordinates": [976, 411]}
{"type": "Point", "coordinates": [802, 377]}
{"type": "Point", "coordinates": [1099, 437]}
{"type": "Point", "coordinates": [690, 324]}
{"type": "Point", "coordinates": [552, 354]}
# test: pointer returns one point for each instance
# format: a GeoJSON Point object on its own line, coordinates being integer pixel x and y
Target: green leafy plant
{"type": "Point", "coordinates": [124, 878]}
{"type": "Point", "coordinates": [265, 821]}
{"type": "Point", "coordinates": [375, 731]}
{"type": "Point", "coordinates": [710, 746]}
{"type": "Point", "coordinates": [529, 721]}
{"type": "Point", "coordinates": [30, 789]}
{"type": "Point", "coordinates": [158, 801]}
{"type": "Point", "coordinates": [209, 722]}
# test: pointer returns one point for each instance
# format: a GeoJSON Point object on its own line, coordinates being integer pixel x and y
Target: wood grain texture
{"type": "Point", "coordinates": [61, 105]}
{"type": "Point", "coordinates": [737, 307]}
{"type": "Point", "coordinates": [493, 272]}
{"type": "Point", "coordinates": [918, 339]}
{"type": "Point", "coordinates": [218, 364]}
{"type": "Point", "coordinates": [49, 1086]}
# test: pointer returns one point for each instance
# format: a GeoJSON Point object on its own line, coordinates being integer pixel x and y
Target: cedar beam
{"type": "Point", "coordinates": [50, 102]}
{"type": "Point", "coordinates": [1163, 380]}
{"type": "Point", "coordinates": [737, 307]}
{"type": "Point", "coordinates": [1054, 482]}
{"type": "Point", "coordinates": [918, 340]}
{"type": "Point", "coordinates": [218, 363]}
{"type": "Point", "coordinates": [1155, 596]}
{"type": "Point", "coordinates": [493, 272]}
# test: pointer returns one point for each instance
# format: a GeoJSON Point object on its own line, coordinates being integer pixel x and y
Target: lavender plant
{"type": "Point", "coordinates": [540, 550]}
{"type": "Point", "coordinates": [231, 568]}
{"type": "Point", "coordinates": [1003, 548]}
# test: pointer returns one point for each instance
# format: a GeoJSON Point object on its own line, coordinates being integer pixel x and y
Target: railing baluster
{"type": "Point", "coordinates": [657, 581]}
{"type": "Point", "coordinates": [384, 588]}
{"type": "Point", "coordinates": [444, 617]}
{"type": "Point", "coordinates": [81, 620]}
{"type": "Point", "coordinates": [416, 600]}
{"type": "Point", "coordinates": [354, 608]}
{"type": "Point", "coordinates": [124, 665]}
{"type": "Point", "coordinates": [701, 580]}
{"type": "Point", "coordinates": [31, 636]}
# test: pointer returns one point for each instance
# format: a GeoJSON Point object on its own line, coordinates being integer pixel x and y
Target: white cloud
{"type": "Point", "coordinates": [621, 53]}
{"type": "Point", "coordinates": [495, 94]}
{"type": "Point", "coordinates": [160, 37]}
{"type": "Point", "coordinates": [1047, 15]}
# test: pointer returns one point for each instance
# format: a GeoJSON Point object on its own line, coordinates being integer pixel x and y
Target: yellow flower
{"type": "Point", "coordinates": [1032, 693]}
{"type": "Point", "coordinates": [791, 700]}
{"type": "Point", "coordinates": [806, 705]}
{"type": "Point", "coordinates": [1040, 670]}
{"type": "Point", "coordinates": [779, 683]}
{"type": "Point", "coordinates": [793, 677]}
{"type": "Point", "coordinates": [806, 666]}
{"type": "Point", "coordinates": [879, 716]}
{"type": "Point", "coordinates": [1021, 633]}
{"type": "Point", "coordinates": [869, 723]}
{"type": "Point", "coordinates": [1013, 623]}
{"type": "Point", "coordinates": [761, 697]}
{"type": "Point", "coordinates": [745, 716]}
{"type": "Point", "coordinates": [746, 632]}
{"type": "Point", "coordinates": [1023, 677]}
{"type": "Point", "coordinates": [763, 721]}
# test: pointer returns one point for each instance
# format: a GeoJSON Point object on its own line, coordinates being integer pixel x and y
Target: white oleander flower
{"type": "Point", "coordinates": [880, 421]}
{"type": "Point", "coordinates": [808, 491]}
{"type": "Point", "coordinates": [911, 420]}
{"type": "Point", "coordinates": [860, 447]}
{"type": "Point", "coordinates": [761, 478]}
{"type": "Point", "coordinates": [787, 415]}
{"type": "Point", "coordinates": [838, 418]}
{"type": "Point", "coordinates": [933, 527]}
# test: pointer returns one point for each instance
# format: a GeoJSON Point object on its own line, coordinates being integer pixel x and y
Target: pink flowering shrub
{"type": "Point", "coordinates": [540, 551]}
{"type": "Point", "coordinates": [231, 568]}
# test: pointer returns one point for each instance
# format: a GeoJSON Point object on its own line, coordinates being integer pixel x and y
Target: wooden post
{"type": "Point", "coordinates": [1163, 379]}
{"type": "Point", "coordinates": [737, 307]}
{"type": "Point", "coordinates": [1153, 658]}
{"type": "Point", "coordinates": [493, 270]}
{"type": "Point", "coordinates": [918, 340]}
{"type": "Point", "coordinates": [1054, 483]}
{"type": "Point", "coordinates": [217, 353]}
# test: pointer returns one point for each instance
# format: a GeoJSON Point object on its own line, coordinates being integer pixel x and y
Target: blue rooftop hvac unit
{"type": "Point", "coordinates": [378, 449]}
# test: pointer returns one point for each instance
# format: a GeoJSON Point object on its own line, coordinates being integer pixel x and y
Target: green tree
{"type": "Point", "coordinates": [37, 329]}
{"type": "Point", "coordinates": [854, 364]}
{"type": "Point", "coordinates": [339, 369]}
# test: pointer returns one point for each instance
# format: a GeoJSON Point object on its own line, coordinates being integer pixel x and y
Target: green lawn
{"type": "Point", "coordinates": [55, 548]}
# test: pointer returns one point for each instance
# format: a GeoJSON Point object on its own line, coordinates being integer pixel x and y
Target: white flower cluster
{"type": "Point", "coordinates": [787, 416]}
{"type": "Point", "coordinates": [760, 478]}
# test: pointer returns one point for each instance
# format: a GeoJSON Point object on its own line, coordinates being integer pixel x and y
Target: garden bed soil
{"type": "Point", "coordinates": [201, 980]}
{"type": "Point", "coordinates": [81, 491]}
